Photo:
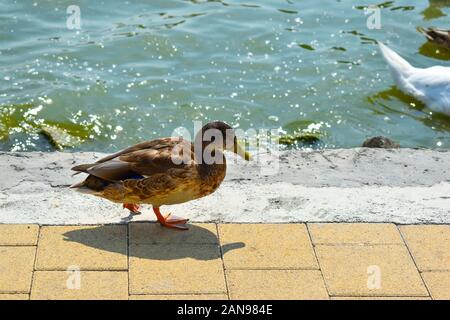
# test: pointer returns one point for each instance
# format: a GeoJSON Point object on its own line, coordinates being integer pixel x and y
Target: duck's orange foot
{"type": "Point", "coordinates": [171, 221]}
{"type": "Point", "coordinates": [134, 208]}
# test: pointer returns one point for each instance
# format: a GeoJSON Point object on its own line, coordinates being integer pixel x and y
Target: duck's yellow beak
{"type": "Point", "coordinates": [240, 150]}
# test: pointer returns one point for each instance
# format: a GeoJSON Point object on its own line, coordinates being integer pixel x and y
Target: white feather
{"type": "Point", "coordinates": [429, 85]}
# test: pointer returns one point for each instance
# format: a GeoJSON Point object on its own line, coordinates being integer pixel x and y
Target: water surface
{"type": "Point", "coordinates": [138, 69]}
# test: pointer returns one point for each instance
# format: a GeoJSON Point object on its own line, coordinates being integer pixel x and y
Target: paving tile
{"type": "Point", "coordinates": [429, 245]}
{"type": "Point", "coordinates": [153, 233]}
{"type": "Point", "coordinates": [14, 296]}
{"type": "Point", "coordinates": [380, 298]}
{"type": "Point", "coordinates": [379, 270]}
{"type": "Point", "coordinates": [92, 285]}
{"type": "Point", "coordinates": [86, 247]}
{"type": "Point", "coordinates": [18, 234]}
{"type": "Point", "coordinates": [354, 233]}
{"type": "Point", "coordinates": [438, 283]}
{"type": "Point", "coordinates": [276, 284]}
{"type": "Point", "coordinates": [175, 268]}
{"type": "Point", "coordinates": [180, 297]}
{"type": "Point", "coordinates": [267, 246]}
{"type": "Point", "coordinates": [16, 268]}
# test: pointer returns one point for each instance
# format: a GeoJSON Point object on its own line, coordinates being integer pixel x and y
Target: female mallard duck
{"type": "Point", "coordinates": [163, 171]}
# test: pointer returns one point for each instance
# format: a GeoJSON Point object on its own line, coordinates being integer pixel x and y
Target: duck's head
{"type": "Point", "coordinates": [218, 135]}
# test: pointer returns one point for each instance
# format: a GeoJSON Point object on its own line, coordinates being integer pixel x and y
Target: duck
{"type": "Point", "coordinates": [163, 171]}
{"type": "Point", "coordinates": [428, 85]}
{"type": "Point", "coordinates": [439, 36]}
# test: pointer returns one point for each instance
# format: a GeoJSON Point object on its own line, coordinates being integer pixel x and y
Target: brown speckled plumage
{"type": "Point", "coordinates": [161, 172]}
{"type": "Point", "coordinates": [150, 173]}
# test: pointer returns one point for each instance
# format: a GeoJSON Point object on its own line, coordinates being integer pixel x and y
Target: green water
{"type": "Point", "coordinates": [138, 69]}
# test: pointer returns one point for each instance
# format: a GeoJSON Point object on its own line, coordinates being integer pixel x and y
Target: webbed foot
{"type": "Point", "coordinates": [171, 221]}
{"type": "Point", "coordinates": [134, 208]}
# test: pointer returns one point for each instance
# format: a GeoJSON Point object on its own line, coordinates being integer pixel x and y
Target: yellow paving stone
{"type": "Point", "coordinates": [380, 298]}
{"type": "Point", "coordinates": [16, 268]}
{"type": "Point", "coordinates": [429, 245]}
{"type": "Point", "coordinates": [175, 268]}
{"type": "Point", "coordinates": [378, 270]}
{"type": "Point", "coordinates": [62, 285]}
{"type": "Point", "coordinates": [354, 233]}
{"type": "Point", "coordinates": [154, 233]}
{"type": "Point", "coordinates": [14, 296]}
{"type": "Point", "coordinates": [180, 297]}
{"type": "Point", "coordinates": [267, 246]}
{"type": "Point", "coordinates": [276, 284]}
{"type": "Point", "coordinates": [86, 247]}
{"type": "Point", "coordinates": [18, 234]}
{"type": "Point", "coordinates": [438, 283]}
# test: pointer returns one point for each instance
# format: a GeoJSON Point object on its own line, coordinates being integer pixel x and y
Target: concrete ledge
{"type": "Point", "coordinates": [403, 186]}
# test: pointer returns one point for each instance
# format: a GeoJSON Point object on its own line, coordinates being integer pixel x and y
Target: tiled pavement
{"type": "Point", "coordinates": [225, 261]}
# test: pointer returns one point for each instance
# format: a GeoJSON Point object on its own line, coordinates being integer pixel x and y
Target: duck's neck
{"type": "Point", "coordinates": [211, 176]}
{"type": "Point", "coordinates": [212, 168]}
{"type": "Point", "coordinates": [211, 161]}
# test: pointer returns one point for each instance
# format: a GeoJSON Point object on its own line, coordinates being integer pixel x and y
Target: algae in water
{"type": "Point", "coordinates": [24, 118]}
{"type": "Point", "coordinates": [301, 131]}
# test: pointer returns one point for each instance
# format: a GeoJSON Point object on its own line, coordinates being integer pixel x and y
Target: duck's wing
{"type": "Point", "coordinates": [146, 145]}
{"type": "Point", "coordinates": [142, 160]}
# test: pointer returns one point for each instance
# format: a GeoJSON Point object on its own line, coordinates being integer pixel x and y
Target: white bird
{"type": "Point", "coordinates": [429, 85]}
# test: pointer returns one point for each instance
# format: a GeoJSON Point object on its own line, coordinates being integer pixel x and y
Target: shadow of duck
{"type": "Point", "coordinates": [151, 241]}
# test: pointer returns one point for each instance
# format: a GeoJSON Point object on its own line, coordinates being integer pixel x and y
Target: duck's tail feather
{"type": "Point", "coordinates": [77, 185]}
{"type": "Point", "coordinates": [91, 185]}
{"type": "Point", "coordinates": [83, 188]}
{"type": "Point", "coordinates": [399, 67]}
{"type": "Point", "coordinates": [82, 167]}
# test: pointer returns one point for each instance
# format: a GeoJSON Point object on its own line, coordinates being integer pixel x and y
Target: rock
{"type": "Point", "coordinates": [380, 142]}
